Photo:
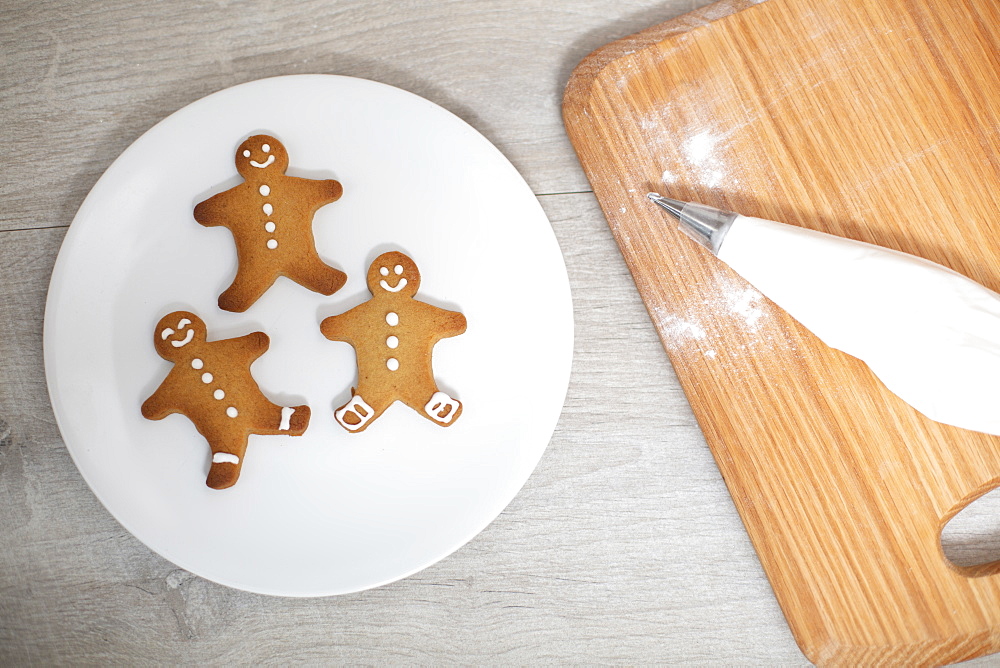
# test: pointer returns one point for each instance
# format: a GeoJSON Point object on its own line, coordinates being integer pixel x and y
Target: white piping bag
{"type": "Point", "coordinates": [930, 334]}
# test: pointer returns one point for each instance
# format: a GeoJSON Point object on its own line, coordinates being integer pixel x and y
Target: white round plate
{"type": "Point", "coordinates": [328, 512]}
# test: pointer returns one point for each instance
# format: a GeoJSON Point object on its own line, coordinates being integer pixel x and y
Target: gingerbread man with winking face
{"type": "Point", "coordinates": [393, 335]}
{"type": "Point", "coordinates": [210, 383]}
{"type": "Point", "coordinates": [270, 215]}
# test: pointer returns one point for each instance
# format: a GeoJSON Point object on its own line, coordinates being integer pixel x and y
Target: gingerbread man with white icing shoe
{"type": "Point", "coordinates": [393, 335]}
{"type": "Point", "coordinates": [271, 216]}
{"type": "Point", "coordinates": [210, 383]}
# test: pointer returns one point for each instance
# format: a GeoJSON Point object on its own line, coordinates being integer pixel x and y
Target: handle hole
{"type": "Point", "coordinates": [971, 539]}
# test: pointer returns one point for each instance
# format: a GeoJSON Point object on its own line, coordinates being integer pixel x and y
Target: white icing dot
{"type": "Point", "coordinates": [384, 271]}
{"type": "Point", "coordinates": [197, 363]}
{"type": "Point", "coordinates": [232, 412]}
{"type": "Point", "coordinates": [269, 226]}
{"type": "Point", "coordinates": [246, 153]}
{"type": "Point", "coordinates": [398, 269]}
{"type": "Point", "coordinates": [392, 363]}
{"type": "Point", "coordinates": [392, 319]}
{"type": "Point", "coordinates": [268, 209]}
{"type": "Point", "coordinates": [392, 342]}
{"type": "Point", "coordinates": [265, 190]}
{"type": "Point", "coordinates": [272, 243]}
{"type": "Point", "coordinates": [219, 394]}
{"type": "Point", "coordinates": [266, 148]}
{"type": "Point", "coordinates": [206, 377]}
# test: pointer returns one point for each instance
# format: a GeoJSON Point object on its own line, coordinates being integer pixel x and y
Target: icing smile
{"type": "Point", "coordinates": [185, 341]}
{"type": "Point", "coordinates": [399, 286]}
{"type": "Point", "coordinates": [262, 165]}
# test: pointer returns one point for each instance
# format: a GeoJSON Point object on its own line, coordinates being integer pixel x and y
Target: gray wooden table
{"type": "Point", "coordinates": [623, 546]}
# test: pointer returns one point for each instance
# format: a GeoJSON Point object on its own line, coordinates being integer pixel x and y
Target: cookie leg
{"type": "Point", "coordinates": [439, 408]}
{"type": "Point", "coordinates": [227, 462]}
{"type": "Point", "coordinates": [357, 414]}
{"type": "Point", "coordinates": [286, 420]}
{"type": "Point", "coordinates": [311, 273]}
{"type": "Point", "coordinates": [250, 283]}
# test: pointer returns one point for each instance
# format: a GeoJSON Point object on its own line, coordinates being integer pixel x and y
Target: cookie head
{"type": "Point", "coordinates": [176, 332]}
{"type": "Point", "coordinates": [259, 156]}
{"type": "Point", "coordinates": [393, 273]}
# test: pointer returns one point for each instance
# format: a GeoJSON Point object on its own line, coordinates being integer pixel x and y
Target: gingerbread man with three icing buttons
{"type": "Point", "coordinates": [393, 335]}
{"type": "Point", "coordinates": [270, 215]}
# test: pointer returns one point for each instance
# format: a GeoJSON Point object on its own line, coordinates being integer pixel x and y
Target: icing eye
{"type": "Point", "coordinates": [166, 333]}
{"type": "Point", "coordinates": [246, 153]}
{"type": "Point", "coordinates": [384, 271]}
{"type": "Point", "coordinates": [183, 323]}
{"type": "Point", "coordinates": [398, 269]}
{"type": "Point", "coordinates": [266, 148]}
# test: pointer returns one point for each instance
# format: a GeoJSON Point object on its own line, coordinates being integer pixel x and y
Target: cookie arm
{"type": "Point", "coordinates": [208, 212]}
{"type": "Point", "coordinates": [321, 192]}
{"type": "Point", "coordinates": [250, 346]}
{"type": "Point", "coordinates": [450, 323]}
{"type": "Point", "coordinates": [339, 327]}
{"type": "Point", "coordinates": [157, 407]}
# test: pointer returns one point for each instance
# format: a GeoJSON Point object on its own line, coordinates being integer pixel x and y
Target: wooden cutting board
{"type": "Point", "coordinates": [877, 120]}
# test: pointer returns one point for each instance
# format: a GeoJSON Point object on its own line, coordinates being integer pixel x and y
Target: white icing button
{"type": "Point", "coordinates": [206, 377]}
{"type": "Point", "coordinates": [269, 226]}
{"type": "Point", "coordinates": [232, 412]}
{"type": "Point", "coordinates": [392, 319]}
{"type": "Point", "coordinates": [392, 363]}
{"type": "Point", "coordinates": [265, 190]}
{"type": "Point", "coordinates": [398, 269]}
{"type": "Point", "coordinates": [219, 394]}
{"type": "Point", "coordinates": [268, 209]}
{"type": "Point", "coordinates": [384, 271]}
{"type": "Point", "coordinates": [272, 243]}
{"type": "Point", "coordinates": [392, 342]}
{"type": "Point", "coordinates": [197, 363]}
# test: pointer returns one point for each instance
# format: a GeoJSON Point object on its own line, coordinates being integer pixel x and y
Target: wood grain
{"type": "Point", "coordinates": [871, 120]}
{"type": "Point", "coordinates": [81, 83]}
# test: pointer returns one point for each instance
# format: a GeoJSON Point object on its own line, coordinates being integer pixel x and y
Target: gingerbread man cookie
{"type": "Point", "coordinates": [392, 335]}
{"type": "Point", "coordinates": [270, 215]}
{"type": "Point", "coordinates": [211, 384]}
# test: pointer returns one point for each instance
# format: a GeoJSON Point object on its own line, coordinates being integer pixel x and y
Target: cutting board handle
{"type": "Point", "coordinates": [983, 560]}
{"type": "Point", "coordinates": [868, 119]}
